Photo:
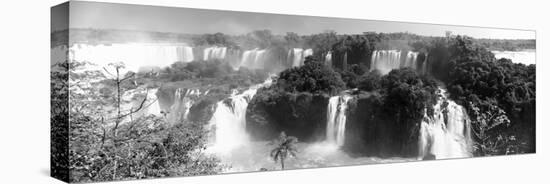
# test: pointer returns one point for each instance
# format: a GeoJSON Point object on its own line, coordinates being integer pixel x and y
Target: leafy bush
{"type": "Point", "coordinates": [313, 77]}
{"type": "Point", "coordinates": [370, 81]}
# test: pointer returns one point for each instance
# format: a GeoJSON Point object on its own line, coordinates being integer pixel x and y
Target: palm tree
{"type": "Point", "coordinates": [285, 146]}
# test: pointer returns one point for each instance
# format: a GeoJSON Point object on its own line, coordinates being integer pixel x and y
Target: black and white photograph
{"type": "Point", "coordinates": [143, 92]}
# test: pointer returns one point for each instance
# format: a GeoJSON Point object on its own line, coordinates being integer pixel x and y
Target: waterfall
{"type": "Point", "coordinates": [229, 119]}
{"type": "Point", "coordinates": [214, 53]}
{"type": "Point", "coordinates": [133, 55]}
{"type": "Point", "coordinates": [306, 53]}
{"type": "Point", "coordinates": [183, 101]}
{"type": "Point", "coordinates": [385, 60]}
{"type": "Point", "coordinates": [132, 100]}
{"type": "Point", "coordinates": [153, 106]}
{"type": "Point", "coordinates": [424, 69]}
{"type": "Point", "coordinates": [336, 119]}
{"type": "Point", "coordinates": [297, 56]}
{"type": "Point", "coordinates": [253, 58]}
{"type": "Point", "coordinates": [185, 53]}
{"type": "Point", "coordinates": [410, 61]}
{"type": "Point", "coordinates": [446, 134]}
{"type": "Point", "coordinates": [328, 58]}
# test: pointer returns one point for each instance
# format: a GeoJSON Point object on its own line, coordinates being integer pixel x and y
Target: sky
{"type": "Point", "coordinates": [186, 20]}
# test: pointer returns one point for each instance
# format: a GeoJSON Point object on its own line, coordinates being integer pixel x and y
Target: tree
{"type": "Point", "coordinates": [313, 76]}
{"type": "Point", "coordinates": [486, 120]}
{"type": "Point", "coordinates": [111, 141]}
{"type": "Point", "coordinates": [285, 146]}
{"type": "Point", "coordinates": [292, 38]}
{"type": "Point", "coordinates": [120, 115]}
{"type": "Point", "coordinates": [370, 81]}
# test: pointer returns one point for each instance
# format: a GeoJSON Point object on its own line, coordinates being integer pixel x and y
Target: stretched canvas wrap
{"type": "Point", "coordinates": [147, 92]}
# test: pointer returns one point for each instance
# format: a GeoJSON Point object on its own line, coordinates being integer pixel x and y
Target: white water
{"type": "Point", "coordinates": [214, 53]}
{"type": "Point", "coordinates": [233, 147]}
{"type": "Point", "coordinates": [387, 60]}
{"type": "Point", "coordinates": [133, 55]}
{"type": "Point", "coordinates": [424, 69]}
{"type": "Point", "coordinates": [336, 119]}
{"type": "Point", "coordinates": [183, 100]}
{"type": "Point", "coordinates": [132, 101]}
{"type": "Point", "coordinates": [229, 120]}
{"type": "Point", "coordinates": [185, 54]}
{"type": "Point", "coordinates": [298, 55]}
{"type": "Point", "coordinates": [526, 57]}
{"type": "Point", "coordinates": [253, 58]}
{"type": "Point", "coordinates": [447, 133]}
{"type": "Point", "coordinates": [328, 58]}
{"type": "Point", "coordinates": [410, 61]}
{"type": "Point", "coordinates": [152, 106]}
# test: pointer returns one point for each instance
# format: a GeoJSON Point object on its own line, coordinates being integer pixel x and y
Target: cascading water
{"type": "Point", "coordinates": [214, 53]}
{"type": "Point", "coordinates": [183, 100]}
{"type": "Point", "coordinates": [132, 102]}
{"type": "Point", "coordinates": [328, 58]}
{"type": "Point", "coordinates": [133, 55]}
{"type": "Point", "coordinates": [446, 134]}
{"type": "Point", "coordinates": [410, 61]}
{"type": "Point", "coordinates": [336, 119]}
{"type": "Point", "coordinates": [253, 58]}
{"type": "Point", "coordinates": [153, 106]}
{"type": "Point", "coordinates": [297, 56]}
{"type": "Point", "coordinates": [385, 60]}
{"type": "Point", "coordinates": [424, 69]}
{"type": "Point", "coordinates": [185, 53]}
{"type": "Point", "coordinates": [229, 119]}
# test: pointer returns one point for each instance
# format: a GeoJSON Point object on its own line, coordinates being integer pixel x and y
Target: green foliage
{"type": "Point", "coordinates": [353, 49]}
{"type": "Point", "coordinates": [59, 99]}
{"type": "Point", "coordinates": [313, 77]}
{"type": "Point", "coordinates": [109, 142]}
{"type": "Point", "coordinates": [214, 39]}
{"type": "Point", "coordinates": [407, 94]}
{"type": "Point", "coordinates": [488, 121]}
{"type": "Point", "coordinates": [370, 81]}
{"type": "Point", "coordinates": [285, 146]}
{"type": "Point", "coordinates": [487, 87]}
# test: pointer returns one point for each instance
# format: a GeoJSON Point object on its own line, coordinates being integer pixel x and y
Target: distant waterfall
{"type": "Point", "coordinates": [387, 60]}
{"type": "Point", "coordinates": [424, 69]}
{"type": "Point", "coordinates": [410, 61]}
{"type": "Point", "coordinates": [229, 119]}
{"type": "Point", "coordinates": [447, 133]}
{"type": "Point", "coordinates": [152, 106]}
{"type": "Point", "coordinates": [185, 53]}
{"type": "Point", "coordinates": [336, 119]}
{"type": "Point", "coordinates": [298, 55]}
{"type": "Point", "coordinates": [328, 58]}
{"type": "Point", "coordinates": [132, 100]}
{"type": "Point", "coordinates": [183, 100]}
{"type": "Point", "coordinates": [133, 55]}
{"type": "Point", "coordinates": [214, 53]}
{"type": "Point", "coordinates": [253, 58]}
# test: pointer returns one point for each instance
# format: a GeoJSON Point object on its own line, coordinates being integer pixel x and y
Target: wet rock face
{"type": "Point", "coordinates": [302, 115]}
